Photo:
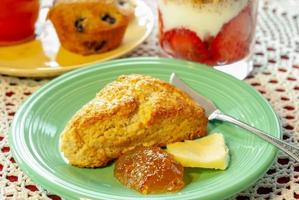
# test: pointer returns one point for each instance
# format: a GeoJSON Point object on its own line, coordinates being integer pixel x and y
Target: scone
{"type": "Point", "coordinates": [89, 26]}
{"type": "Point", "coordinates": [133, 111]}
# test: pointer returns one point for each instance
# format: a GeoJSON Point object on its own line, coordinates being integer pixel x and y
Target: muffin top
{"type": "Point", "coordinates": [127, 7]}
{"type": "Point", "coordinates": [88, 16]}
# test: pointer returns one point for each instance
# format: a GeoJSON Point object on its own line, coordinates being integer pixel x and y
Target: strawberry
{"type": "Point", "coordinates": [183, 43]}
{"type": "Point", "coordinates": [233, 41]}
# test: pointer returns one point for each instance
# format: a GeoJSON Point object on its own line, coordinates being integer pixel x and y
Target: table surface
{"type": "Point", "coordinates": [275, 76]}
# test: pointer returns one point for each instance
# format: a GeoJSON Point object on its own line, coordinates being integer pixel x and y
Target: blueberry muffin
{"type": "Point", "coordinates": [89, 26]}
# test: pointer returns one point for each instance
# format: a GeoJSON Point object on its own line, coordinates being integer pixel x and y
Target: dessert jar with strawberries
{"type": "Point", "coordinates": [218, 33]}
{"type": "Point", "coordinates": [17, 20]}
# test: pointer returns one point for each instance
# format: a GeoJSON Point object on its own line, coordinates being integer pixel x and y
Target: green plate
{"type": "Point", "coordinates": [36, 128]}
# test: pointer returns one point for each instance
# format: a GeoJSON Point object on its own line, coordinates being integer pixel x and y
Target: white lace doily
{"type": "Point", "coordinates": [275, 75]}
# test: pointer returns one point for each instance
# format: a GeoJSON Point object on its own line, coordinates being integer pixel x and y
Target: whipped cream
{"type": "Point", "coordinates": [205, 20]}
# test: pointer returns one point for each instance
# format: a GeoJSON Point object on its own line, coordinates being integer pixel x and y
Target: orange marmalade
{"type": "Point", "coordinates": [149, 170]}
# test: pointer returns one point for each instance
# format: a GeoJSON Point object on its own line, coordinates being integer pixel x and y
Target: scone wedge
{"type": "Point", "coordinates": [135, 110]}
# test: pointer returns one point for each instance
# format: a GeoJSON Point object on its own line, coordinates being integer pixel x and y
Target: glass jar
{"type": "Point", "coordinates": [17, 20]}
{"type": "Point", "coordinates": [213, 32]}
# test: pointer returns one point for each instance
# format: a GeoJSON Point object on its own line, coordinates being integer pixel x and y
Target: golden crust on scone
{"type": "Point", "coordinates": [134, 110]}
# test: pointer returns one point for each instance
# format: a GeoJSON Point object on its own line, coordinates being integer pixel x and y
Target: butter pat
{"type": "Point", "coordinates": [207, 152]}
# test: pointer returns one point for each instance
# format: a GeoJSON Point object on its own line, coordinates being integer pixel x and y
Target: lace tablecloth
{"type": "Point", "coordinates": [275, 75]}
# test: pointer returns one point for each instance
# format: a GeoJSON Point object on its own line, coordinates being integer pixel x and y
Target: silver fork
{"type": "Point", "coordinates": [213, 113]}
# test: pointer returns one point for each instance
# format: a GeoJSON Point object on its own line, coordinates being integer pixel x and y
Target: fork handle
{"type": "Point", "coordinates": [289, 149]}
